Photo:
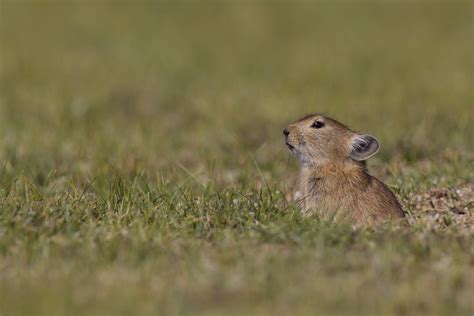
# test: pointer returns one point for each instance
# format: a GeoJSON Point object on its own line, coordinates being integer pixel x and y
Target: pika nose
{"type": "Point", "coordinates": [286, 132]}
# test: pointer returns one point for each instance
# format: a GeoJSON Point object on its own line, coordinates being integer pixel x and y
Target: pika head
{"type": "Point", "coordinates": [317, 139]}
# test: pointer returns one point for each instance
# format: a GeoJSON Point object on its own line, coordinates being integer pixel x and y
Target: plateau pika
{"type": "Point", "coordinates": [334, 179]}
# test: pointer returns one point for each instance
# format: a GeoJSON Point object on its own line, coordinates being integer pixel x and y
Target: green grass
{"type": "Point", "coordinates": [142, 169]}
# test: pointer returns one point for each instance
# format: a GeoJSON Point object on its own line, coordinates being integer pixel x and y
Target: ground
{"type": "Point", "coordinates": [143, 169]}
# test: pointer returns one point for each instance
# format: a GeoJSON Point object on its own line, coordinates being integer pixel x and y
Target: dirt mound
{"type": "Point", "coordinates": [444, 207]}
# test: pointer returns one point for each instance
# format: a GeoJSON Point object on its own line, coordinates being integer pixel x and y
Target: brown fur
{"type": "Point", "coordinates": [333, 182]}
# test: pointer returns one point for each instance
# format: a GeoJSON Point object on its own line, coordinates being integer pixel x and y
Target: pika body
{"type": "Point", "coordinates": [334, 180]}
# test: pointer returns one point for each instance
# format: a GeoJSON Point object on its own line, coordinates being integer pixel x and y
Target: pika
{"type": "Point", "coordinates": [334, 179]}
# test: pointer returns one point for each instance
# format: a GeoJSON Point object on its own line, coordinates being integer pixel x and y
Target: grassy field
{"type": "Point", "coordinates": [142, 168]}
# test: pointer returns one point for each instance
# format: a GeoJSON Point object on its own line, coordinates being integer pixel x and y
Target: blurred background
{"type": "Point", "coordinates": [144, 85]}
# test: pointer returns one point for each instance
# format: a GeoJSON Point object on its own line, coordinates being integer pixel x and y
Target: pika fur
{"type": "Point", "coordinates": [334, 178]}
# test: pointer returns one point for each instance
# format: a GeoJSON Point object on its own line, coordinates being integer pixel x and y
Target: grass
{"type": "Point", "coordinates": [143, 171]}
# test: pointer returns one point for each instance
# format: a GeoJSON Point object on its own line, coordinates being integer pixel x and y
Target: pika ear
{"type": "Point", "coordinates": [363, 147]}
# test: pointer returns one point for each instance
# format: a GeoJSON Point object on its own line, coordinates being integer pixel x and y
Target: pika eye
{"type": "Point", "coordinates": [317, 124]}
